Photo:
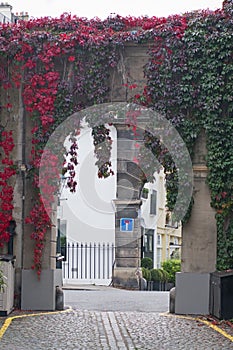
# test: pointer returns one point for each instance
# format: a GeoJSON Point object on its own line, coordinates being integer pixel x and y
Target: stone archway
{"type": "Point", "coordinates": [201, 224]}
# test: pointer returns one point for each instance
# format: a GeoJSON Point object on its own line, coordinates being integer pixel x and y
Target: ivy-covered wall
{"type": "Point", "coordinates": [191, 80]}
{"type": "Point", "coordinates": [60, 66]}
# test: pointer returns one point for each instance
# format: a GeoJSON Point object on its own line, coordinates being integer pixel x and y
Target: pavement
{"type": "Point", "coordinates": [108, 318]}
{"type": "Point", "coordinates": [98, 298]}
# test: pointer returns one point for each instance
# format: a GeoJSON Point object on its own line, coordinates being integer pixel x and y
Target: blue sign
{"type": "Point", "coordinates": [126, 224]}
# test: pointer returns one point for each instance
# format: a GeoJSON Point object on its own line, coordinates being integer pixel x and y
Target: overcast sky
{"type": "Point", "coordinates": [103, 8]}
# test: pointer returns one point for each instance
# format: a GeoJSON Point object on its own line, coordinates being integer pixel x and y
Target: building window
{"type": "Point", "coordinates": [148, 246]}
{"type": "Point", "coordinates": [148, 240]}
{"type": "Point", "coordinates": [63, 230]}
{"type": "Point", "coordinates": [153, 202]}
{"type": "Point", "coordinates": [159, 258]}
{"type": "Point", "coordinates": [145, 244]}
{"type": "Point", "coordinates": [170, 220]}
{"type": "Point", "coordinates": [158, 239]}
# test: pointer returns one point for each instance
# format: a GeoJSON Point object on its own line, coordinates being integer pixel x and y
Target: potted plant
{"type": "Point", "coordinates": [164, 279]}
{"type": "Point", "coordinates": [172, 266]}
{"type": "Point", "coordinates": [147, 276]}
{"type": "Point", "coordinates": [156, 277]}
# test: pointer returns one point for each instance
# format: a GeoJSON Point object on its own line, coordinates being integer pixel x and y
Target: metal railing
{"type": "Point", "coordinates": [88, 261]}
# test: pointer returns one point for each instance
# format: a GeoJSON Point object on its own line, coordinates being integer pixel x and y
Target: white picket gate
{"type": "Point", "coordinates": [88, 263]}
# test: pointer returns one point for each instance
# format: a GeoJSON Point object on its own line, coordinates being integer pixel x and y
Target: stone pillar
{"type": "Point", "coordinates": [200, 232]}
{"type": "Point", "coordinates": [198, 257]}
{"type": "Point", "coordinates": [43, 296]}
{"type": "Point", "coordinates": [129, 71]}
{"type": "Point", "coordinates": [127, 204]}
{"type": "Point", "coordinates": [128, 245]}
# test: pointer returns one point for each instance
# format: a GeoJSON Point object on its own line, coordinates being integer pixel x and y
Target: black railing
{"type": "Point", "coordinates": [88, 261]}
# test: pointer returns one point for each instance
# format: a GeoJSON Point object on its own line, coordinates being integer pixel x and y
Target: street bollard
{"type": "Point", "coordinates": [172, 300]}
{"type": "Point", "coordinates": [59, 298]}
{"type": "Point", "coordinates": [142, 284]}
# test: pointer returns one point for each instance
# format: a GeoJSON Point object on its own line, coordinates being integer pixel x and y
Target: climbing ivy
{"type": "Point", "coordinates": [190, 79]}
{"type": "Point", "coordinates": [63, 66]}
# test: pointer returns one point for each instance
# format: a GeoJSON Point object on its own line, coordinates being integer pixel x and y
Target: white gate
{"type": "Point", "coordinates": [88, 263]}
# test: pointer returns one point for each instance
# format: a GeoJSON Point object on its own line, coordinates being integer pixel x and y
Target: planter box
{"type": "Point", "coordinates": [192, 293]}
{"type": "Point", "coordinates": [155, 285]}
{"type": "Point", "coordinates": [158, 286]}
{"type": "Point", "coordinates": [7, 297]}
{"type": "Point", "coordinates": [40, 294]}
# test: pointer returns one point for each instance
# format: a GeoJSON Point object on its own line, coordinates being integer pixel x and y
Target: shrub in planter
{"type": "Point", "coordinates": [156, 277]}
{"type": "Point", "coordinates": [146, 274]}
{"type": "Point", "coordinates": [147, 263]}
{"type": "Point", "coordinates": [166, 285]}
{"type": "Point", "coordinates": [164, 275]}
{"type": "Point", "coordinates": [172, 266]}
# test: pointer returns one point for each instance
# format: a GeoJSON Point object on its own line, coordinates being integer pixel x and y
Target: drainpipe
{"type": "Point", "coordinates": [23, 169]}
{"type": "Point", "coordinates": [20, 186]}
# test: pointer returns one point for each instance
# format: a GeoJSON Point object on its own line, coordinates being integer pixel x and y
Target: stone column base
{"type": "Point", "coordinates": [126, 278]}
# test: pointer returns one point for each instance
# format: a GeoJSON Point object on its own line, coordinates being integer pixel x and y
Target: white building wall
{"type": "Point", "coordinates": [89, 212]}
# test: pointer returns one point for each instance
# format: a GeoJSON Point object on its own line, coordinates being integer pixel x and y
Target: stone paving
{"type": "Point", "coordinates": [110, 330]}
{"type": "Point", "coordinates": [94, 329]}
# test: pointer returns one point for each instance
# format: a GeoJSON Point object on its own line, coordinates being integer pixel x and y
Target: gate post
{"type": "Point", "coordinates": [199, 237]}
{"type": "Point", "coordinates": [127, 243]}
{"type": "Point", "coordinates": [130, 180]}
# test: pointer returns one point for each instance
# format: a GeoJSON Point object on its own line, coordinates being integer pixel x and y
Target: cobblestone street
{"type": "Point", "coordinates": [77, 328]}
{"type": "Point", "coordinates": [110, 330]}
